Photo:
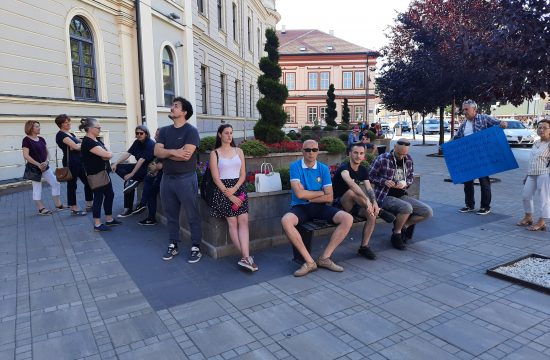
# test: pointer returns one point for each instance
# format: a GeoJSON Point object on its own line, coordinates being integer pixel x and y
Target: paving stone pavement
{"type": "Point", "coordinates": [69, 293]}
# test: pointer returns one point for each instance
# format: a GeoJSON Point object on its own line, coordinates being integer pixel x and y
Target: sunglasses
{"type": "Point", "coordinates": [403, 143]}
{"type": "Point", "coordinates": [310, 150]}
{"type": "Point", "coordinates": [139, 133]}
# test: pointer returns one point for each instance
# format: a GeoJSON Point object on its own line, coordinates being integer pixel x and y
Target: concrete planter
{"type": "Point", "coordinates": [318, 134]}
{"type": "Point", "coordinates": [265, 212]}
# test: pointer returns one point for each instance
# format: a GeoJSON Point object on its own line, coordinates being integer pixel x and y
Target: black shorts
{"type": "Point", "coordinates": [354, 210]}
{"type": "Point", "coordinates": [308, 212]}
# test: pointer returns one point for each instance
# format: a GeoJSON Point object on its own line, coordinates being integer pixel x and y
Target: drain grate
{"type": "Point", "coordinates": [532, 271]}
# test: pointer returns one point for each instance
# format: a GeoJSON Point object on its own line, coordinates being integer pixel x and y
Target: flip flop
{"type": "Point", "coordinates": [44, 212]}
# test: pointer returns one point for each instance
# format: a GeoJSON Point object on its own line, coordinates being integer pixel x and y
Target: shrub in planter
{"type": "Point", "coordinates": [254, 148]}
{"type": "Point", "coordinates": [285, 146]}
{"type": "Point", "coordinates": [285, 177]}
{"type": "Point", "coordinates": [293, 135]}
{"type": "Point", "coordinates": [328, 128]}
{"type": "Point", "coordinates": [333, 145]}
{"type": "Point", "coordinates": [371, 135]}
{"type": "Point", "coordinates": [207, 144]}
{"type": "Point", "coordinates": [307, 127]}
{"type": "Point", "coordinates": [343, 137]}
{"type": "Point", "coordinates": [343, 127]}
{"type": "Point", "coordinates": [316, 127]}
{"type": "Point", "coordinates": [306, 137]}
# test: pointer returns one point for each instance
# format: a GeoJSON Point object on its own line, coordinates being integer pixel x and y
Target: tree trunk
{"type": "Point", "coordinates": [441, 129]}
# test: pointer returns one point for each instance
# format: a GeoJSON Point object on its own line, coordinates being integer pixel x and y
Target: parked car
{"type": "Point", "coordinates": [431, 126]}
{"type": "Point", "coordinates": [405, 126]}
{"type": "Point", "coordinates": [518, 134]}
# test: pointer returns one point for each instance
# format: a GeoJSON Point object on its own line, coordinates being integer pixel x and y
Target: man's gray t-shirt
{"type": "Point", "coordinates": [176, 138]}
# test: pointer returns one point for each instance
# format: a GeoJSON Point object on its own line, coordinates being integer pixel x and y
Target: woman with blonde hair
{"type": "Point", "coordinates": [35, 153]}
{"type": "Point", "coordinates": [537, 183]}
{"type": "Point", "coordinates": [229, 198]}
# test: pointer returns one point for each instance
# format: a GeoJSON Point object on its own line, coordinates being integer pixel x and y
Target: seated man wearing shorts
{"type": "Point", "coordinates": [311, 195]}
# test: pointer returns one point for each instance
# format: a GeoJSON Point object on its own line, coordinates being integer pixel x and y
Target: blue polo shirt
{"type": "Point", "coordinates": [313, 179]}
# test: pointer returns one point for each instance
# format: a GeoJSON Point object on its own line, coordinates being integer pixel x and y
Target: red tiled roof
{"type": "Point", "coordinates": [314, 42]}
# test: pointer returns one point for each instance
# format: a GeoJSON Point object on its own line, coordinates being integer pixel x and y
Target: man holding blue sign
{"type": "Point", "coordinates": [474, 123]}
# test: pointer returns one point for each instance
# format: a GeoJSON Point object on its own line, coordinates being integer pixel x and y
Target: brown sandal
{"type": "Point", "coordinates": [525, 222]}
{"type": "Point", "coordinates": [537, 227]}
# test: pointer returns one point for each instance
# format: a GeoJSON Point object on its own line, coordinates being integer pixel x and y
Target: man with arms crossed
{"type": "Point", "coordinates": [311, 193]}
{"type": "Point", "coordinates": [354, 194]}
{"type": "Point", "coordinates": [179, 186]}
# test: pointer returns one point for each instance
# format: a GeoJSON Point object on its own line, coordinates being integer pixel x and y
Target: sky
{"type": "Point", "coordinates": [361, 22]}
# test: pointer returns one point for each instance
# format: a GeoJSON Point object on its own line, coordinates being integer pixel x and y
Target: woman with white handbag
{"type": "Point", "coordinates": [229, 199]}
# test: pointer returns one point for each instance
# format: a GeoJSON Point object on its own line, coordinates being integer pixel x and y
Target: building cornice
{"type": "Point", "coordinates": [17, 99]}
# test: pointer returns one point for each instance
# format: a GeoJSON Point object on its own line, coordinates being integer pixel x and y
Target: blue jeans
{"type": "Point", "coordinates": [151, 188]}
{"type": "Point", "coordinates": [180, 192]}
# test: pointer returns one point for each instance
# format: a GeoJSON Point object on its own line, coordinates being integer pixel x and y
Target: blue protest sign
{"type": "Point", "coordinates": [481, 154]}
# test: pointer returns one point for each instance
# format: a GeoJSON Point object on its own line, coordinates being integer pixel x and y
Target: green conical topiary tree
{"type": "Point", "coordinates": [345, 112]}
{"type": "Point", "coordinates": [331, 107]}
{"type": "Point", "coordinates": [270, 106]}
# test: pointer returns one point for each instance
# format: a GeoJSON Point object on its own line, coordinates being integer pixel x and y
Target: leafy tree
{"type": "Point", "coordinates": [345, 112]}
{"type": "Point", "coordinates": [331, 107]}
{"type": "Point", "coordinates": [270, 106]}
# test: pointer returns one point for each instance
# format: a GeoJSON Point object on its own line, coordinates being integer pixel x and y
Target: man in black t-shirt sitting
{"type": "Point", "coordinates": [354, 194]}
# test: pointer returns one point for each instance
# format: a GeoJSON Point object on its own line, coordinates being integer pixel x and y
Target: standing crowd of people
{"type": "Point", "coordinates": [166, 166]}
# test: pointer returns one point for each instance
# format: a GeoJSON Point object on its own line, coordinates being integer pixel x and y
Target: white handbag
{"type": "Point", "coordinates": [267, 180]}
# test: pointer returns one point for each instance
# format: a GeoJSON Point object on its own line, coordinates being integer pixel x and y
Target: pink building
{"type": "Point", "coordinates": [311, 60]}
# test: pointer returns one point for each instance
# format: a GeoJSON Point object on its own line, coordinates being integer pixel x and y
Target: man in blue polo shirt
{"type": "Point", "coordinates": [311, 193]}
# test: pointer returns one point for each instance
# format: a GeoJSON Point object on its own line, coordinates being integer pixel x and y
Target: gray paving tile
{"type": "Point", "coordinates": [7, 258]}
{"type": "Point", "coordinates": [67, 347]}
{"type": "Point", "coordinates": [7, 332]}
{"type": "Point", "coordinates": [136, 328]}
{"type": "Point", "coordinates": [8, 354]}
{"type": "Point", "coordinates": [52, 321]}
{"type": "Point", "coordinates": [260, 354]}
{"type": "Point", "coordinates": [492, 249]}
{"type": "Point", "coordinates": [47, 264]}
{"type": "Point", "coordinates": [121, 305]}
{"type": "Point", "coordinates": [429, 246]}
{"type": "Point", "coordinates": [374, 266]}
{"type": "Point", "coordinates": [8, 287]}
{"type": "Point", "coordinates": [367, 327]}
{"type": "Point", "coordinates": [50, 278]}
{"type": "Point", "coordinates": [411, 310]}
{"type": "Point", "coordinates": [36, 251]}
{"type": "Point", "coordinates": [506, 317]}
{"type": "Point", "coordinates": [416, 348]}
{"type": "Point", "coordinates": [248, 296]}
{"type": "Point", "coordinates": [7, 307]}
{"type": "Point", "coordinates": [316, 344]}
{"type": "Point", "coordinates": [197, 312]}
{"type": "Point", "coordinates": [449, 295]}
{"type": "Point", "coordinates": [163, 350]}
{"type": "Point", "coordinates": [326, 302]}
{"type": "Point", "coordinates": [292, 285]}
{"type": "Point", "coordinates": [439, 267]}
{"type": "Point", "coordinates": [277, 318]}
{"type": "Point", "coordinates": [467, 336]}
{"type": "Point", "coordinates": [45, 299]}
{"type": "Point", "coordinates": [532, 299]}
{"type": "Point", "coordinates": [368, 289]}
{"type": "Point", "coordinates": [482, 281]}
{"type": "Point", "coordinates": [404, 277]}
{"type": "Point", "coordinates": [465, 257]}
{"type": "Point", "coordinates": [108, 268]}
{"type": "Point", "coordinates": [526, 353]}
{"type": "Point", "coordinates": [112, 285]}
{"type": "Point", "coordinates": [229, 335]}
{"type": "Point", "coordinates": [8, 271]}
{"type": "Point", "coordinates": [544, 339]}
{"type": "Point", "coordinates": [96, 256]}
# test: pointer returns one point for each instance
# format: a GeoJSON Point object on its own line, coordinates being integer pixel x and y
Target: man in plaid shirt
{"type": "Point", "coordinates": [391, 174]}
{"type": "Point", "coordinates": [476, 122]}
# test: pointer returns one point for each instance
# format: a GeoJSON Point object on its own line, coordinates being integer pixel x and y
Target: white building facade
{"type": "Point", "coordinates": [82, 58]}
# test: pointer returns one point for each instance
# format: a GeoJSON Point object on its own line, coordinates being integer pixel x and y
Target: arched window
{"type": "Point", "coordinates": [82, 56]}
{"type": "Point", "coordinates": [168, 76]}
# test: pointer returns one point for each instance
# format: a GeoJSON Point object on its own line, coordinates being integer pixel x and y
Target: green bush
{"type": "Point", "coordinates": [207, 143]}
{"type": "Point", "coordinates": [328, 128]}
{"type": "Point", "coordinates": [287, 138]}
{"type": "Point", "coordinates": [343, 127]}
{"type": "Point", "coordinates": [285, 177]}
{"type": "Point", "coordinates": [306, 137]}
{"type": "Point", "coordinates": [343, 137]}
{"type": "Point", "coordinates": [333, 145]}
{"type": "Point", "coordinates": [293, 135]}
{"type": "Point", "coordinates": [307, 127]}
{"type": "Point", "coordinates": [316, 127]}
{"type": "Point", "coordinates": [254, 148]}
